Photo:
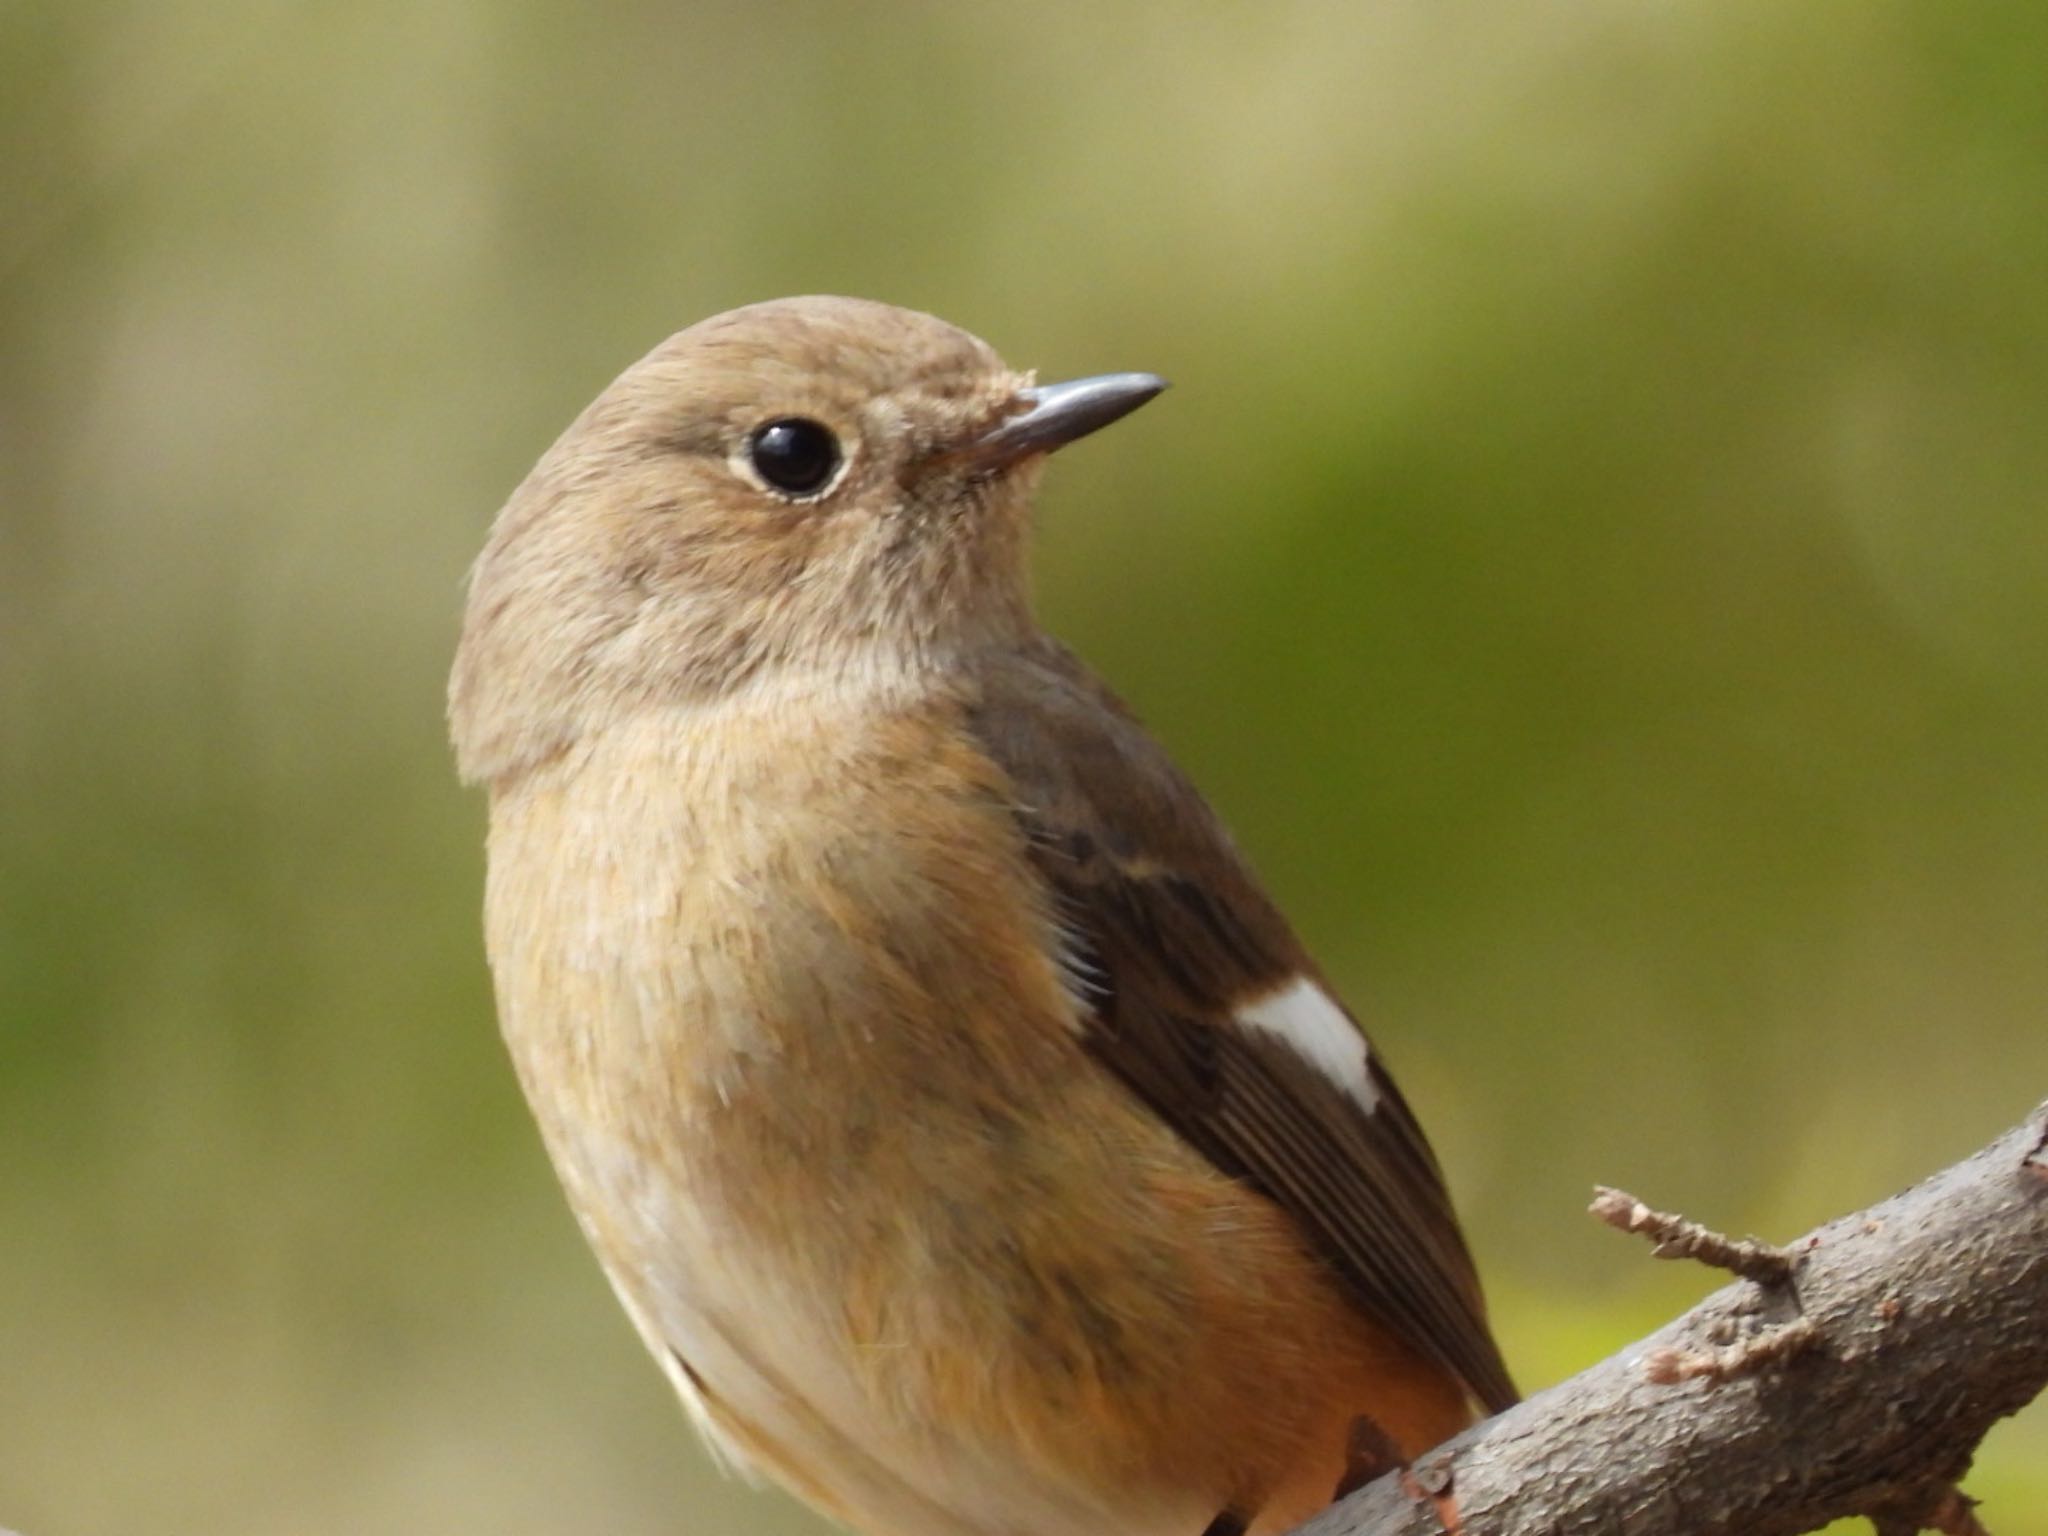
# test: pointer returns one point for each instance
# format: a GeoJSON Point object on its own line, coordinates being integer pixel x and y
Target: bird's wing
{"type": "Point", "coordinates": [1198, 995]}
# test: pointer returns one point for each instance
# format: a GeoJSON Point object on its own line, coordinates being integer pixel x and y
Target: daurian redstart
{"type": "Point", "coordinates": [960, 1122]}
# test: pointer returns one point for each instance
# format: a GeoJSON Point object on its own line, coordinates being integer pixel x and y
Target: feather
{"type": "Point", "coordinates": [1202, 1001]}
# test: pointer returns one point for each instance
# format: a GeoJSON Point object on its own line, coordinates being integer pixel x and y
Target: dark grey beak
{"type": "Point", "coordinates": [1057, 414]}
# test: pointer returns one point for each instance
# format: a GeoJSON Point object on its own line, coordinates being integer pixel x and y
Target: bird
{"type": "Point", "coordinates": [961, 1124]}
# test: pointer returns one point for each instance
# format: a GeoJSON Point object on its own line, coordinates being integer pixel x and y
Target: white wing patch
{"type": "Point", "coordinates": [1302, 1014]}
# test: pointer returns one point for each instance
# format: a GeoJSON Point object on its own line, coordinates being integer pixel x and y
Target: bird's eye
{"type": "Point", "coordinates": [793, 454]}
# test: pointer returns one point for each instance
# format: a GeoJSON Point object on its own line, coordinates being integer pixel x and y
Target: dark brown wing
{"type": "Point", "coordinates": [1171, 940]}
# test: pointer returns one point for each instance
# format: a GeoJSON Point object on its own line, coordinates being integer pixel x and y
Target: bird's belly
{"type": "Point", "coordinates": [920, 1363]}
{"type": "Point", "coordinates": [951, 1331]}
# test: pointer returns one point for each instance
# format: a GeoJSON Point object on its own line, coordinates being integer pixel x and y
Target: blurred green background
{"type": "Point", "coordinates": [1595, 554]}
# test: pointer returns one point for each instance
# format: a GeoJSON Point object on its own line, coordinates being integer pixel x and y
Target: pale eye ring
{"type": "Point", "coordinates": [794, 455]}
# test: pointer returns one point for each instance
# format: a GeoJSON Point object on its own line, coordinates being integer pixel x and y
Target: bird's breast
{"type": "Point", "coordinates": [758, 954]}
{"type": "Point", "coordinates": [786, 1007]}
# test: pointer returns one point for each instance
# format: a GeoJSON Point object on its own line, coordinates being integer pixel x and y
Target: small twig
{"type": "Point", "coordinates": [1942, 1507]}
{"type": "Point", "coordinates": [1668, 1366]}
{"type": "Point", "coordinates": [1431, 1480]}
{"type": "Point", "coordinates": [1955, 1514]}
{"type": "Point", "coordinates": [2035, 1160]}
{"type": "Point", "coordinates": [1675, 1237]}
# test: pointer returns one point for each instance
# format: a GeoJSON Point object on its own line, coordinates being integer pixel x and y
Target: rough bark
{"type": "Point", "coordinates": [1915, 1326]}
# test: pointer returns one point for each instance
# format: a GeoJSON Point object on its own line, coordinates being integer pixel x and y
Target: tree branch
{"type": "Point", "coordinates": [1857, 1379]}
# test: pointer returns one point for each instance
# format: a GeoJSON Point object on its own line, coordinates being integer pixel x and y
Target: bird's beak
{"type": "Point", "coordinates": [1054, 415]}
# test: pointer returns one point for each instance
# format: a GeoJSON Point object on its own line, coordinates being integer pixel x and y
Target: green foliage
{"type": "Point", "coordinates": [1594, 555]}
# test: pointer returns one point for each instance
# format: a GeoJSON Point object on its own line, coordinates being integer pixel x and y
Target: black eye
{"type": "Point", "coordinates": [793, 454]}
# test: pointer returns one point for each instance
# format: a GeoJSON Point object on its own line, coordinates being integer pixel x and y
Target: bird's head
{"type": "Point", "coordinates": [811, 488]}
